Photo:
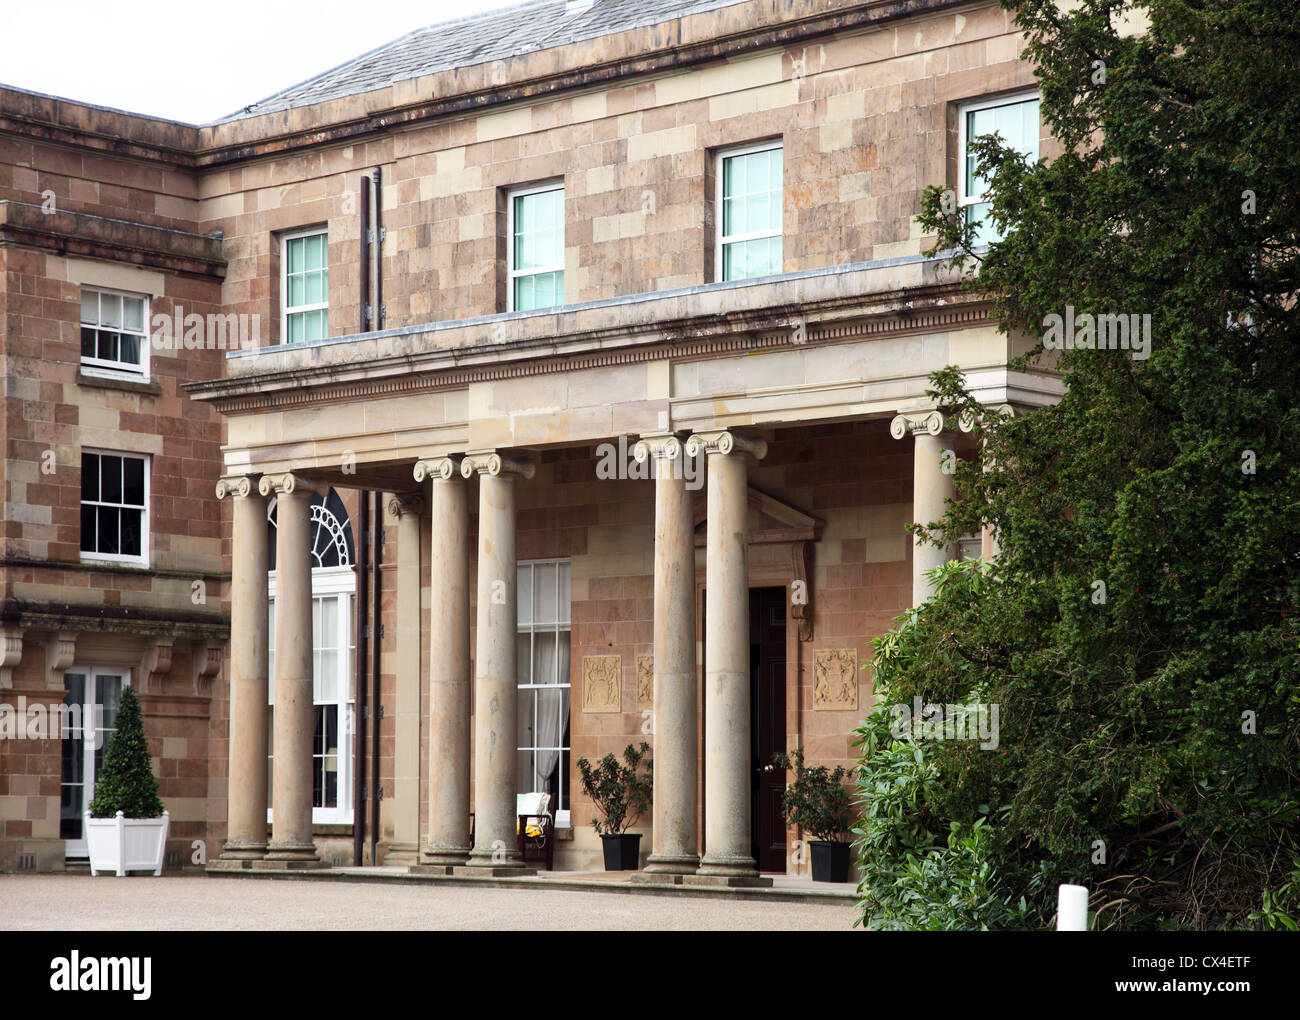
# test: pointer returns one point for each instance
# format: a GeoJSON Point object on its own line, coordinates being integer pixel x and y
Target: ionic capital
{"type": "Point", "coordinates": [237, 485]}
{"type": "Point", "coordinates": [723, 442]}
{"type": "Point", "coordinates": [659, 445]}
{"type": "Point", "coordinates": [402, 503]}
{"type": "Point", "coordinates": [495, 464]}
{"type": "Point", "coordinates": [288, 483]}
{"type": "Point", "coordinates": [968, 419]}
{"type": "Point", "coordinates": [440, 469]}
{"type": "Point", "coordinates": [914, 423]}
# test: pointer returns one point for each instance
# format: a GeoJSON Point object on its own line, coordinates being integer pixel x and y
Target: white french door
{"type": "Point", "coordinates": [93, 695]}
{"type": "Point", "coordinates": [334, 675]}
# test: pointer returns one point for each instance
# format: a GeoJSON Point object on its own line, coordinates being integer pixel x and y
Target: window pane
{"type": "Point", "coordinates": [90, 307]}
{"type": "Point", "coordinates": [107, 346]}
{"type": "Point", "coordinates": [525, 600]}
{"type": "Point", "coordinates": [90, 476]}
{"type": "Point", "coordinates": [129, 351]}
{"type": "Point", "coordinates": [110, 478]}
{"type": "Point", "coordinates": [110, 310]}
{"type": "Point", "coordinates": [524, 293]}
{"type": "Point", "coordinates": [544, 593]}
{"type": "Point", "coordinates": [545, 663]}
{"type": "Point", "coordinates": [133, 481]}
{"type": "Point", "coordinates": [564, 595]}
{"type": "Point", "coordinates": [733, 217]}
{"type": "Point", "coordinates": [131, 532]}
{"type": "Point", "coordinates": [106, 538]}
{"type": "Point", "coordinates": [88, 342]}
{"type": "Point", "coordinates": [133, 314]}
{"type": "Point", "coordinates": [523, 657]}
{"type": "Point", "coordinates": [293, 255]}
{"type": "Point", "coordinates": [88, 529]}
{"type": "Point", "coordinates": [295, 324]}
{"type": "Point", "coordinates": [315, 293]}
{"type": "Point", "coordinates": [297, 291]}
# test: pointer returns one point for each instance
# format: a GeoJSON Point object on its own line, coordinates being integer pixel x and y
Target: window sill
{"type": "Point", "coordinates": [147, 387]}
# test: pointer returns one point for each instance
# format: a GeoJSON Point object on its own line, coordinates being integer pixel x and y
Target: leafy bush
{"type": "Point", "coordinates": [621, 792]}
{"type": "Point", "coordinates": [126, 782]}
{"type": "Point", "coordinates": [817, 801]}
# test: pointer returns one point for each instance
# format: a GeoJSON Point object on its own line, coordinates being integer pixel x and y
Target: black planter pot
{"type": "Point", "coordinates": [622, 851]}
{"type": "Point", "coordinates": [830, 861]}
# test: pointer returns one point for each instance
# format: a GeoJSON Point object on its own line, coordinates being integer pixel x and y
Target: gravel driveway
{"type": "Point", "coordinates": [78, 902]}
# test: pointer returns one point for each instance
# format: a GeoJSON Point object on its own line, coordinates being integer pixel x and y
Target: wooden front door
{"type": "Point", "coordinates": [767, 616]}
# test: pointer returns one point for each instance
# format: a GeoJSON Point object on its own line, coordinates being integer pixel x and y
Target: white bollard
{"type": "Point", "coordinates": [1072, 908]}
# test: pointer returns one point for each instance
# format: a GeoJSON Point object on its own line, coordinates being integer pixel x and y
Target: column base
{"type": "Point", "coordinates": [504, 859]}
{"type": "Point", "coordinates": [728, 867]}
{"type": "Point", "coordinates": [444, 855]}
{"type": "Point", "coordinates": [672, 864]}
{"type": "Point", "coordinates": [242, 850]}
{"type": "Point", "coordinates": [433, 869]}
{"type": "Point", "coordinates": [401, 853]}
{"type": "Point", "coordinates": [281, 853]}
{"type": "Point", "coordinates": [754, 881]}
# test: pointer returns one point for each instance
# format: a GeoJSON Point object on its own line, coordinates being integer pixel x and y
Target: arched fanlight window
{"type": "Point", "coordinates": [331, 533]}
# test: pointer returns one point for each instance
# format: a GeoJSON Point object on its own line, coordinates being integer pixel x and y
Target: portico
{"type": "Point", "coordinates": [509, 435]}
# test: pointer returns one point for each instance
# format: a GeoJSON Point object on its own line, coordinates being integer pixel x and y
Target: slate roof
{"type": "Point", "coordinates": [491, 35]}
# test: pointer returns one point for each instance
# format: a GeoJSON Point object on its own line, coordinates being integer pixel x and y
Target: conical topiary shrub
{"type": "Point", "coordinates": [126, 782]}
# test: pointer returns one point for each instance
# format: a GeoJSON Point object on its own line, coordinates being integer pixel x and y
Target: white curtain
{"type": "Point", "coordinates": [551, 668]}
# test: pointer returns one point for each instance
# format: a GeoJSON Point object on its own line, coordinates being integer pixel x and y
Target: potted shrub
{"type": "Point", "coordinates": [621, 792]}
{"type": "Point", "coordinates": [126, 826]}
{"type": "Point", "coordinates": [819, 803]}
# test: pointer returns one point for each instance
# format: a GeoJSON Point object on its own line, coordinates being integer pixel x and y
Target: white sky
{"type": "Point", "coordinates": [194, 60]}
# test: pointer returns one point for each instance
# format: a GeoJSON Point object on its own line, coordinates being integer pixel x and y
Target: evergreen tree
{"type": "Point", "coordinates": [1139, 630]}
{"type": "Point", "coordinates": [126, 782]}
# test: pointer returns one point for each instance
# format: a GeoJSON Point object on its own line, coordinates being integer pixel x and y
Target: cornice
{"type": "Point", "coordinates": [100, 237]}
{"type": "Point", "coordinates": [927, 310]}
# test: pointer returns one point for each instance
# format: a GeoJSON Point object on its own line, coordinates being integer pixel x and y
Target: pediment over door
{"type": "Point", "coordinates": [773, 522]}
{"type": "Point", "coordinates": [770, 520]}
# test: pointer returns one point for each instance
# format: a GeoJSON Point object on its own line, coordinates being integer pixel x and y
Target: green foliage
{"type": "Point", "coordinates": [126, 782]}
{"type": "Point", "coordinates": [620, 791]}
{"type": "Point", "coordinates": [817, 800]}
{"type": "Point", "coordinates": [1127, 759]}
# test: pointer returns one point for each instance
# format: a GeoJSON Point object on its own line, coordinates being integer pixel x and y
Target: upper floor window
{"type": "Point", "coordinates": [114, 507]}
{"type": "Point", "coordinates": [1015, 118]}
{"type": "Point", "coordinates": [536, 248]}
{"type": "Point", "coordinates": [114, 333]}
{"type": "Point", "coordinates": [305, 286]}
{"type": "Point", "coordinates": [749, 201]}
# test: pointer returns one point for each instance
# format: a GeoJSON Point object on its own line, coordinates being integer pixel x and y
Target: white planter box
{"type": "Point", "coordinates": [122, 844]}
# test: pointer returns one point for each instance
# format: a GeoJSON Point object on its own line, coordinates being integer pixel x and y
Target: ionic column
{"type": "Point", "coordinates": [727, 837]}
{"type": "Point", "coordinates": [447, 844]}
{"type": "Point", "coordinates": [676, 768]}
{"type": "Point", "coordinates": [295, 711]}
{"type": "Point", "coordinates": [405, 805]}
{"type": "Point", "coordinates": [989, 548]}
{"type": "Point", "coordinates": [495, 684]}
{"type": "Point", "coordinates": [246, 799]}
{"type": "Point", "coordinates": [934, 463]}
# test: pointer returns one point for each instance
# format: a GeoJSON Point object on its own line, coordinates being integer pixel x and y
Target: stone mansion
{"type": "Point", "coordinates": [543, 382]}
